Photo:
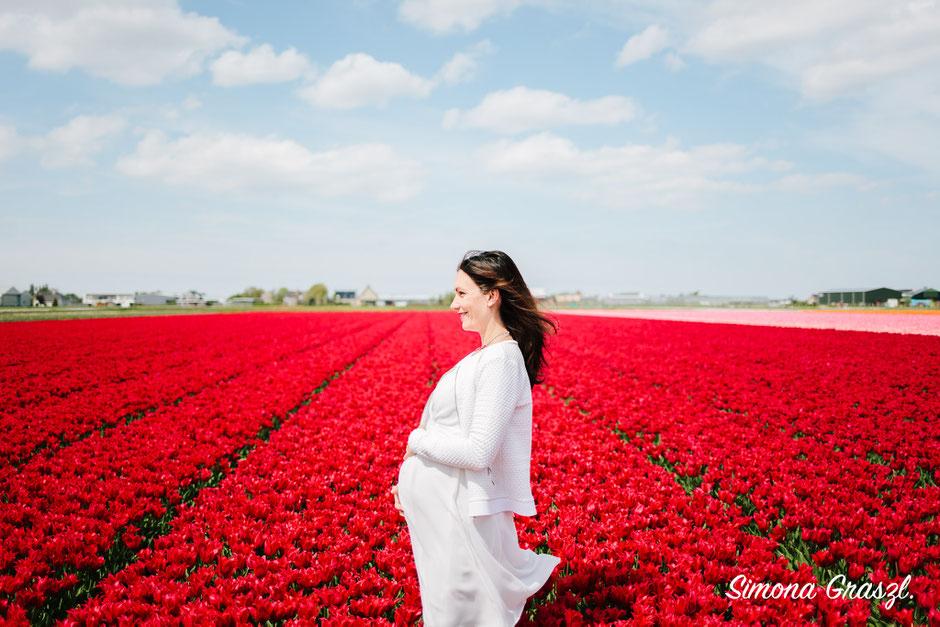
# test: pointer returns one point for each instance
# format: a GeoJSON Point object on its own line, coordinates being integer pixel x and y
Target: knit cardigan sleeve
{"type": "Point", "coordinates": [496, 394]}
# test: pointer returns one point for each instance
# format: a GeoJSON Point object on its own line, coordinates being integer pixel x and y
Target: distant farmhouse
{"type": "Point", "coordinates": [192, 298]}
{"type": "Point", "coordinates": [105, 299]}
{"type": "Point", "coordinates": [49, 298]}
{"type": "Point", "coordinates": [345, 297]}
{"type": "Point", "coordinates": [566, 298]}
{"type": "Point", "coordinates": [368, 296]}
{"type": "Point", "coordinates": [293, 298]}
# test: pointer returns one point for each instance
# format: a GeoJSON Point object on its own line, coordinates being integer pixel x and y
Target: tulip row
{"type": "Point", "coordinates": [43, 355]}
{"type": "Point", "coordinates": [158, 372]}
{"type": "Point", "coordinates": [69, 519]}
{"type": "Point", "coordinates": [905, 321]}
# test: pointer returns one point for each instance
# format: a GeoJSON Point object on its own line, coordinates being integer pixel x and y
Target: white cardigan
{"type": "Point", "coordinates": [494, 403]}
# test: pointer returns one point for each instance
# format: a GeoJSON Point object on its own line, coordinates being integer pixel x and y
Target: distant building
{"type": "Point", "coordinates": [267, 297]}
{"type": "Point", "coordinates": [707, 300]}
{"type": "Point", "coordinates": [542, 297]}
{"type": "Point", "coordinates": [403, 300]}
{"type": "Point", "coordinates": [292, 299]}
{"type": "Point", "coordinates": [242, 301]}
{"type": "Point", "coordinates": [15, 298]}
{"type": "Point", "coordinates": [192, 298]}
{"type": "Point", "coordinates": [924, 297]}
{"type": "Point", "coordinates": [566, 298]}
{"type": "Point", "coordinates": [626, 298]}
{"type": "Point", "coordinates": [366, 297]}
{"type": "Point", "coordinates": [859, 296]}
{"type": "Point", "coordinates": [154, 298]}
{"type": "Point", "coordinates": [48, 298]}
{"type": "Point", "coordinates": [111, 299]}
{"type": "Point", "coordinates": [345, 297]}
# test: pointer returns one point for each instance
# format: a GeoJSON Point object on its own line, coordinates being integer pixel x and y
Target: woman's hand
{"type": "Point", "coordinates": [397, 502]}
{"type": "Point", "coordinates": [408, 451]}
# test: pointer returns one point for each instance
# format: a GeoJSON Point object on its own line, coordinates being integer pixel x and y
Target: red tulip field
{"type": "Point", "coordinates": [236, 468]}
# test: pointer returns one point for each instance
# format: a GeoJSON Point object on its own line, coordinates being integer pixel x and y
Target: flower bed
{"type": "Point", "coordinates": [675, 466]}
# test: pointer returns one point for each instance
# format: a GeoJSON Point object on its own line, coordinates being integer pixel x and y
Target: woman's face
{"type": "Point", "coordinates": [472, 304]}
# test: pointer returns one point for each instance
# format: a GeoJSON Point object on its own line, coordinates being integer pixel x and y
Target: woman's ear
{"type": "Point", "coordinates": [492, 297]}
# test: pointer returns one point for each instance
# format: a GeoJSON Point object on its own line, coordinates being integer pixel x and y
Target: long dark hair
{"type": "Point", "coordinates": [493, 269]}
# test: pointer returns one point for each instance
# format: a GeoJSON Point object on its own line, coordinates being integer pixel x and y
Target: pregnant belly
{"type": "Point", "coordinates": [422, 484]}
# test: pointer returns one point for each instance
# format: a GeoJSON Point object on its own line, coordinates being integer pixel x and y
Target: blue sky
{"type": "Point", "coordinates": [774, 148]}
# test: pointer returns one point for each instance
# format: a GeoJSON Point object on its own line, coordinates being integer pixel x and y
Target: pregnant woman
{"type": "Point", "coordinates": [466, 468]}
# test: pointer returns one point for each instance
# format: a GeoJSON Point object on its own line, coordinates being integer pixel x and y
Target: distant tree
{"type": "Point", "coordinates": [445, 298]}
{"type": "Point", "coordinates": [316, 295]}
{"type": "Point", "coordinates": [279, 295]}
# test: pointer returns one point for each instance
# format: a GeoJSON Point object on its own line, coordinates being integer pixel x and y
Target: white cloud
{"type": "Point", "coordinates": [9, 142]}
{"type": "Point", "coordinates": [72, 144]}
{"type": "Point", "coordinates": [881, 54]}
{"type": "Point", "coordinates": [445, 16]}
{"type": "Point", "coordinates": [133, 42]}
{"type": "Point", "coordinates": [635, 175]}
{"type": "Point", "coordinates": [643, 46]}
{"type": "Point", "coordinates": [521, 109]}
{"type": "Point", "coordinates": [75, 143]}
{"type": "Point", "coordinates": [260, 65]}
{"type": "Point", "coordinates": [830, 48]}
{"type": "Point", "coordinates": [242, 163]}
{"type": "Point", "coordinates": [811, 183]}
{"type": "Point", "coordinates": [673, 62]}
{"type": "Point", "coordinates": [897, 132]}
{"type": "Point", "coordinates": [463, 65]}
{"type": "Point", "coordinates": [191, 103]}
{"type": "Point", "coordinates": [358, 80]}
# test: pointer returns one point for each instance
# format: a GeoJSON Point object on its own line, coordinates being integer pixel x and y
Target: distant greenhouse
{"type": "Point", "coordinates": [924, 297]}
{"type": "Point", "coordinates": [869, 296]}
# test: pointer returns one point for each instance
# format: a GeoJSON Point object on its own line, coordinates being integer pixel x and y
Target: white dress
{"type": "Point", "coordinates": [471, 570]}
